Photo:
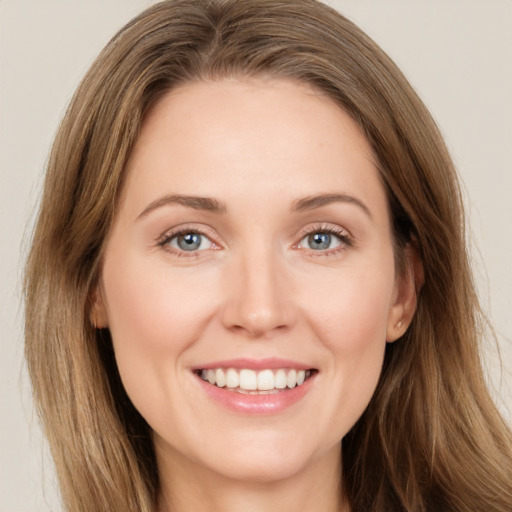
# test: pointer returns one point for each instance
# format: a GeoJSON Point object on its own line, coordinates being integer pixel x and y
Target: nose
{"type": "Point", "coordinates": [258, 297]}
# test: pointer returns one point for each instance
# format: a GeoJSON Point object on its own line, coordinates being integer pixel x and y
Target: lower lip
{"type": "Point", "coordinates": [257, 404]}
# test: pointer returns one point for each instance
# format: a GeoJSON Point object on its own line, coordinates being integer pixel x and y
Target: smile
{"type": "Point", "coordinates": [247, 381]}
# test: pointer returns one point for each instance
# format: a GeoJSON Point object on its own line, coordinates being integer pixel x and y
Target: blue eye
{"type": "Point", "coordinates": [321, 241]}
{"type": "Point", "coordinates": [189, 242]}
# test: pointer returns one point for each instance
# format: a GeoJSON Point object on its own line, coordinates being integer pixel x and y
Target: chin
{"type": "Point", "coordinates": [261, 469]}
{"type": "Point", "coordinates": [270, 460]}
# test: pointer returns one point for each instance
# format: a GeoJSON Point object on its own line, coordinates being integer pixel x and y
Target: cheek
{"type": "Point", "coordinates": [153, 308]}
{"type": "Point", "coordinates": [351, 311]}
{"type": "Point", "coordinates": [350, 318]}
{"type": "Point", "coordinates": [154, 316]}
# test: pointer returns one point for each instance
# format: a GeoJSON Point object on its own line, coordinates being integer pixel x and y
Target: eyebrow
{"type": "Point", "coordinates": [195, 202]}
{"type": "Point", "coordinates": [313, 202]}
{"type": "Point", "coordinates": [213, 205]}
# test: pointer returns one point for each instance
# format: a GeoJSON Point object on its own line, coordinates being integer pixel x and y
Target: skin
{"type": "Point", "coordinates": [255, 288]}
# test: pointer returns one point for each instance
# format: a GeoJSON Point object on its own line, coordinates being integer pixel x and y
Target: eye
{"type": "Point", "coordinates": [320, 241]}
{"type": "Point", "coordinates": [325, 240]}
{"type": "Point", "coordinates": [189, 241]}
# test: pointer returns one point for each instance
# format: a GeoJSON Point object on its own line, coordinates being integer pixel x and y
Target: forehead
{"type": "Point", "coordinates": [250, 139]}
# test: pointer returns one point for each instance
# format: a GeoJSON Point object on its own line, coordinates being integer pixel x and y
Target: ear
{"type": "Point", "coordinates": [405, 298]}
{"type": "Point", "coordinates": [98, 313]}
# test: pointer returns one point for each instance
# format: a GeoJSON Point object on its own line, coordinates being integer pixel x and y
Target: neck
{"type": "Point", "coordinates": [187, 487]}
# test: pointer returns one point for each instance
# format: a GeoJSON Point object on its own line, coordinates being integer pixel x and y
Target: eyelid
{"type": "Point", "coordinates": [183, 229]}
{"type": "Point", "coordinates": [346, 238]}
{"type": "Point", "coordinates": [343, 234]}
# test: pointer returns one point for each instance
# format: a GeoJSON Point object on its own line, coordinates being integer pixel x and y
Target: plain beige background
{"type": "Point", "coordinates": [458, 55]}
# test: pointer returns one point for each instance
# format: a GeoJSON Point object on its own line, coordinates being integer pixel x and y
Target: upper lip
{"type": "Point", "coordinates": [273, 363]}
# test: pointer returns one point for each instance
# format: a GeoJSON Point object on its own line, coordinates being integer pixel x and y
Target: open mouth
{"type": "Point", "coordinates": [251, 382]}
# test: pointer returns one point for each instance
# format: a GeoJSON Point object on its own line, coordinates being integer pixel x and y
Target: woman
{"type": "Point", "coordinates": [253, 290]}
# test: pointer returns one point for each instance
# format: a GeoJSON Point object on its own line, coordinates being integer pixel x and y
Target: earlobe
{"type": "Point", "coordinates": [98, 313]}
{"type": "Point", "coordinates": [408, 286]}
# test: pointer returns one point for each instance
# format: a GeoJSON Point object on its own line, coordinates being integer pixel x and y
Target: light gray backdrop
{"type": "Point", "coordinates": [458, 55]}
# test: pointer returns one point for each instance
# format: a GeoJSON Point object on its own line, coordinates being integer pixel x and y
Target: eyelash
{"type": "Point", "coordinates": [345, 238]}
{"type": "Point", "coordinates": [167, 237]}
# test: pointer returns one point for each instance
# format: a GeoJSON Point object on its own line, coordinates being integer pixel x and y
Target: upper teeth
{"type": "Point", "coordinates": [250, 380]}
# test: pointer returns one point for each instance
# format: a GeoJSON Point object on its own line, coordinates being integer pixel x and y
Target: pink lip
{"type": "Point", "coordinates": [256, 404]}
{"type": "Point", "coordinates": [272, 363]}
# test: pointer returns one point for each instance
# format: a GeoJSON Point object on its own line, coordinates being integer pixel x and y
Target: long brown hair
{"type": "Point", "coordinates": [431, 438]}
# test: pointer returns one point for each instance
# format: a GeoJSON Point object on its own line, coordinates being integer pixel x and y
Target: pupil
{"type": "Point", "coordinates": [320, 240]}
{"type": "Point", "coordinates": [189, 241]}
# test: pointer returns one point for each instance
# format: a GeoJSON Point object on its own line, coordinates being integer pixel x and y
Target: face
{"type": "Point", "coordinates": [249, 279]}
